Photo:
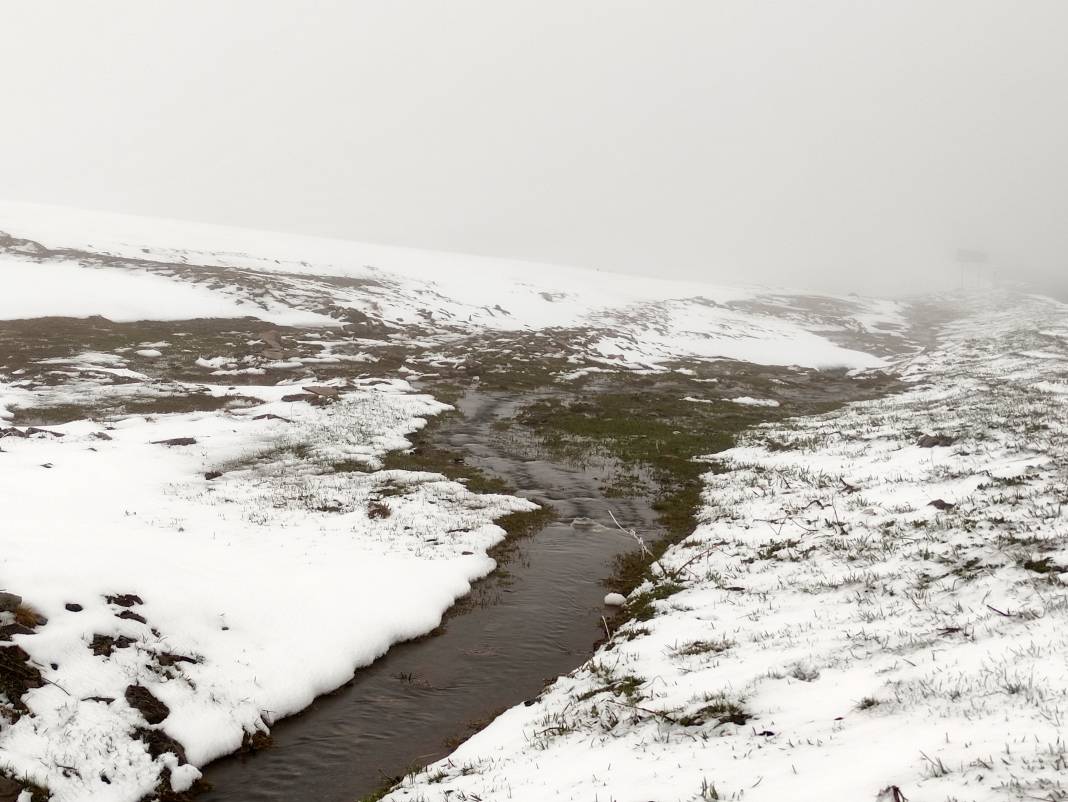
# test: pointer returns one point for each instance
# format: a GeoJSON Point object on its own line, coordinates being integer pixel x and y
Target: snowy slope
{"type": "Point", "coordinates": [862, 615]}
{"type": "Point", "coordinates": [234, 599]}
{"type": "Point", "coordinates": [638, 319]}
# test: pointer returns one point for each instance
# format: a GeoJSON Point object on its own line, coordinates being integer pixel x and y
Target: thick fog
{"type": "Point", "coordinates": [831, 144]}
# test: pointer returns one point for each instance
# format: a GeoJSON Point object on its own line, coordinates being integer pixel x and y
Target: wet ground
{"type": "Point", "coordinates": [523, 626]}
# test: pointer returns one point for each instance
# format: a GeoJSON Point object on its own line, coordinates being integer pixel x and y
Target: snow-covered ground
{"type": "Point", "coordinates": [257, 590]}
{"type": "Point", "coordinates": [234, 562]}
{"type": "Point", "coordinates": [865, 613]}
{"type": "Point", "coordinates": [81, 263]}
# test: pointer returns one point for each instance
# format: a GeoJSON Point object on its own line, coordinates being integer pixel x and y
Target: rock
{"type": "Point", "coordinates": [123, 599]}
{"type": "Point", "coordinates": [176, 441]}
{"type": "Point", "coordinates": [130, 615]}
{"type": "Point", "coordinates": [9, 631]}
{"type": "Point", "coordinates": [35, 430]}
{"type": "Point", "coordinates": [588, 523]}
{"type": "Point", "coordinates": [933, 440]}
{"type": "Point", "coordinates": [72, 607]}
{"type": "Point", "coordinates": [104, 645]}
{"type": "Point", "coordinates": [9, 790]}
{"type": "Point", "coordinates": [940, 504]}
{"type": "Point", "coordinates": [212, 475]}
{"type": "Point", "coordinates": [17, 674]}
{"type": "Point", "coordinates": [169, 659]}
{"type": "Point", "coordinates": [300, 397]}
{"type": "Point", "coordinates": [141, 699]}
{"type": "Point", "coordinates": [615, 599]}
{"type": "Point", "coordinates": [891, 794]}
{"type": "Point", "coordinates": [101, 436]}
{"type": "Point", "coordinates": [9, 602]}
{"type": "Point", "coordinates": [160, 743]}
{"type": "Point", "coordinates": [322, 390]}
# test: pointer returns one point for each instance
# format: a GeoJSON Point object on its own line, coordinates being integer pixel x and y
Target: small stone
{"type": "Point", "coordinates": [939, 504]}
{"type": "Point", "coordinates": [176, 441]}
{"type": "Point", "coordinates": [615, 599]}
{"type": "Point", "coordinates": [72, 607]}
{"type": "Point", "coordinates": [141, 699]}
{"type": "Point", "coordinates": [212, 475]}
{"type": "Point", "coordinates": [9, 790]}
{"type": "Point", "coordinates": [321, 390]}
{"type": "Point", "coordinates": [10, 630]}
{"type": "Point", "coordinates": [9, 602]}
{"type": "Point", "coordinates": [935, 440]}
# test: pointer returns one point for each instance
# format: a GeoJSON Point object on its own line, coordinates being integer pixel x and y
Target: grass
{"type": "Point", "coordinates": [704, 647]}
{"type": "Point", "coordinates": [644, 424]}
{"type": "Point", "coordinates": [716, 708]}
{"type": "Point", "coordinates": [427, 456]}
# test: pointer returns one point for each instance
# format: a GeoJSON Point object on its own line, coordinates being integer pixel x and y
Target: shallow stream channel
{"type": "Point", "coordinates": [535, 618]}
{"type": "Point", "coordinates": [611, 455]}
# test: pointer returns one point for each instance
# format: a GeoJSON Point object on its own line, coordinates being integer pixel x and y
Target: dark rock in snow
{"type": "Point", "coordinates": [941, 505]}
{"type": "Point", "coordinates": [141, 699]}
{"type": "Point", "coordinates": [35, 430]}
{"type": "Point", "coordinates": [160, 743]}
{"type": "Point", "coordinates": [130, 615]}
{"type": "Point", "coordinates": [168, 659]}
{"type": "Point", "coordinates": [104, 645]}
{"type": "Point", "coordinates": [321, 390]}
{"type": "Point", "coordinates": [933, 440]}
{"type": "Point", "coordinates": [176, 441]}
{"type": "Point", "coordinates": [9, 602]}
{"type": "Point", "coordinates": [17, 674]}
{"type": "Point", "coordinates": [9, 631]}
{"type": "Point", "coordinates": [123, 599]}
{"type": "Point", "coordinates": [9, 790]}
{"type": "Point", "coordinates": [300, 397]}
{"type": "Point", "coordinates": [72, 607]}
{"type": "Point", "coordinates": [212, 475]}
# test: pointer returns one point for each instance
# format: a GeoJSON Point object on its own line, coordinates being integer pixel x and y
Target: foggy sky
{"type": "Point", "coordinates": [829, 144]}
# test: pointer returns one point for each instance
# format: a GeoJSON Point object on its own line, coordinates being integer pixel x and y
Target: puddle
{"type": "Point", "coordinates": [535, 621]}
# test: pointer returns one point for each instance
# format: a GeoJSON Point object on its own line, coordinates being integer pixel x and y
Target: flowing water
{"type": "Point", "coordinates": [538, 619]}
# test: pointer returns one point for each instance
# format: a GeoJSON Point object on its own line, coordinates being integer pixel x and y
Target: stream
{"type": "Point", "coordinates": [527, 625]}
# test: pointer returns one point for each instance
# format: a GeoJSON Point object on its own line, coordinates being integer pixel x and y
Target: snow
{"type": "Point", "coordinates": [638, 322]}
{"type": "Point", "coordinates": [273, 577]}
{"type": "Point", "coordinates": [273, 581]}
{"type": "Point", "coordinates": [755, 402]}
{"type": "Point", "coordinates": [826, 632]}
{"type": "Point", "coordinates": [30, 289]}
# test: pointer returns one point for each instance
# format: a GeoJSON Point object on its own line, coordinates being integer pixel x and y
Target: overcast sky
{"type": "Point", "coordinates": [824, 143]}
